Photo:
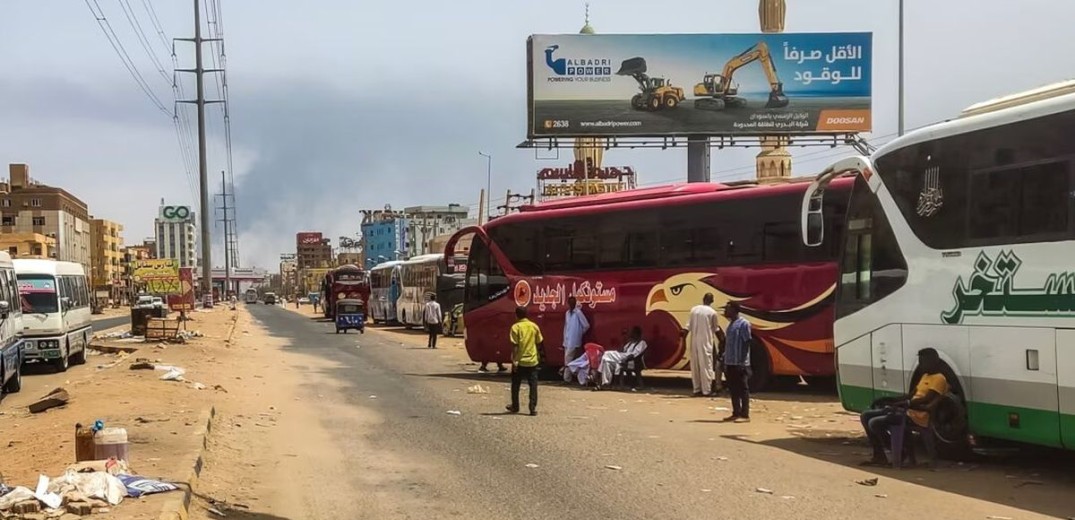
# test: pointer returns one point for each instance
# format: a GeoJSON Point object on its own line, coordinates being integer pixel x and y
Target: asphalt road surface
{"type": "Point", "coordinates": [364, 432]}
{"type": "Point", "coordinates": [107, 323]}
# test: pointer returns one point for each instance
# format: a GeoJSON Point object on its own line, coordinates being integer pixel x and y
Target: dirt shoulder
{"type": "Point", "coordinates": [161, 417]}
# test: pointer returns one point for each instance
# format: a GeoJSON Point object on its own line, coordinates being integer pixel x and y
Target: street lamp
{"type": "Point", "coordinates": [488, 181]}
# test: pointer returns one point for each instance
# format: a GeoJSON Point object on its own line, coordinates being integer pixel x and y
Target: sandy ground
{"type": "Point", "coordinates": [160, 417]}
{"type": "Point", "coordinates": [356, 426]}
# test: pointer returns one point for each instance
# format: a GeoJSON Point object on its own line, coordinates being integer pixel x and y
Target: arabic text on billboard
{"type": "Point", "coordinates": [308, 238]}
{"type": "Point", "coordinates": [159, 276]}
{"type": "Point", "coordinates": [184, 299]}
{"type": "Point", "coordinates": [701, 84]}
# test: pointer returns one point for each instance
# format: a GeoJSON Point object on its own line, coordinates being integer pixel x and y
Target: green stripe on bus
{"type": "Point", "coordinates": [1034, 426]}
{"type": "Point", "coordinates": [987, 420]}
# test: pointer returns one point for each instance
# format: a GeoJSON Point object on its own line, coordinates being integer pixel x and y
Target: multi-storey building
{"type": "Point", "coordinates": [28, 207]}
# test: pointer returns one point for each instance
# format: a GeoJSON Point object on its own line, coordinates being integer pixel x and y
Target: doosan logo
{"type": "Point", "coordinates": [845, 120]}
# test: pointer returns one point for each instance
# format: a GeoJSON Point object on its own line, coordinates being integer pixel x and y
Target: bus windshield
{"type": "Point", "coordinates": [37, 293]}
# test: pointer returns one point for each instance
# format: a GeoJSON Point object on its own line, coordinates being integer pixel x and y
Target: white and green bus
{"type": "Point", "coordinates": [961, 237]}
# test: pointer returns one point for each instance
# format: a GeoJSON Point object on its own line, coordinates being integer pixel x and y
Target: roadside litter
{"type": "Point", "coordinates": [477, 389]}
{"type": "Point", "coordinates": [454, 412]}
{"type": "Point", "coordinates": [171, 373]}
{"type": "Point", "coordinates": [100, 478]}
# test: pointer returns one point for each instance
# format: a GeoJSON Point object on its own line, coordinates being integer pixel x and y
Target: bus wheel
{"type": "Point", "coordinates": [761, 372]}
{"type": "Point", "coordinates": [15, 383]}
{"type": "Point", "coordinates": [80, 358]}
{"type": "Point", "coordinates": [64, 362]}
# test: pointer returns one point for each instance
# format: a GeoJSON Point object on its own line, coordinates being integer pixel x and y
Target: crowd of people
{"type": "Point", "coordinates": [714, 351]}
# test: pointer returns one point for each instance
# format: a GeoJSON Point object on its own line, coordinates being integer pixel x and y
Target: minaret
{"type": "Point", "coordinates": [589, 148]}
{"type": "Point", "coordinates": [773, 163]}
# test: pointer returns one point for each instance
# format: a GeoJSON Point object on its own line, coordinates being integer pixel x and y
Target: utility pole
{"type": "Point", "coordinates": [203, 175]}
{"type": "Point", "coordinates": [508, 207]}
{"type": "Point", "coordinates": [228, 230]}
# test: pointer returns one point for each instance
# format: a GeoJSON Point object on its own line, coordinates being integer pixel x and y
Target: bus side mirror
{"type": "Point", "coordinates": [813, 216]}
{"type": "Point", "coordinates": [5, 309]}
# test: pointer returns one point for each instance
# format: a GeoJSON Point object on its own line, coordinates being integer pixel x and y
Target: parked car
{"type": "Point", "coordinates": [270, 298]}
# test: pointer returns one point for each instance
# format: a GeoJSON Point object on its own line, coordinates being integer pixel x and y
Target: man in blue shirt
{"type": "Point", "coordinates": [737, 362]}
{"type": "Point", "coordinates": [575, 327]}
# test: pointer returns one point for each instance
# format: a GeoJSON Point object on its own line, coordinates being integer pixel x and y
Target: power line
{"type": "Point", "coordinates": [148, 6]}
{"type": "Point", "coordinates": [125, 58]}
{"type": "Point", "coordinates": [140, 35]}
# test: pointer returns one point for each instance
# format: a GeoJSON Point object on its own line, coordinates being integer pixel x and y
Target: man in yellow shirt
{"type": "Point", "coordinates": [931, 388]}
{"type": "Point", "coordinates": [527, 342]}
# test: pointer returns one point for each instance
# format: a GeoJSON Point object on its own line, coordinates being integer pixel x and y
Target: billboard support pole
{"type": "Point", "coordinates": [698, 159]}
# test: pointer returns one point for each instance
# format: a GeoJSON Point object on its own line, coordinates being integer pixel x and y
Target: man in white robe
{"type": "Point", "coordinates": [613, 360]}
{"type": "Point", "coordinates": [702, 327]}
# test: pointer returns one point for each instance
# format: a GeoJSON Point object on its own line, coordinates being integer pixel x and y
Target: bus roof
{"type": "Point", "coordinates": [657, 196]}
{"type": "Point", "coordinates": [45, 266]}
{"type": "Point", "coordinates": [424, 258]}
{"type": "Point", "coordinates": [386, 265]}
{"type": "Point", "coordinates": [1030, 104]}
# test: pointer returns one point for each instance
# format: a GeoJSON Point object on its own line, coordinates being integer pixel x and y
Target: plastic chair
{"type": "Point", "coordinates": [632, 369]}
{"type": "Point", "coordinates": [900, 440]}
{"type": "Point", "coordinates": [593, 355]}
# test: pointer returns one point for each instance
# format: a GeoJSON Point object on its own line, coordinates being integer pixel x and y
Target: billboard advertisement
{"type": "Point", "coordinates": [176, 214]}
{"type": "Point", "coordinates": [159, 276]}
{"type": "Point", "coordinates": [308, 238]}
{"type": "Point", "coordinates": [698, 84]}
{"type": "Point", "coordinates": [184, 300]}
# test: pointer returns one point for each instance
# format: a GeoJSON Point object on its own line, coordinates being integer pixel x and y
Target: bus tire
{"type": "Point", "coordinates": [14, 384]}
{"type": "Point", "coordinates": [80, 358]}
{"type": "Point", "coordinates": [64, 361]}
{"type": "Point", "coordinates": [761, 372]}
{"type": "Point", "coordinates": [949, 422]}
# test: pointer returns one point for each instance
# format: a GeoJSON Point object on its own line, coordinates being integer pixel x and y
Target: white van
{"type": "Point", "coordinates": [55, 302]}
{"type": "Point", "coordinates": [11, 341]}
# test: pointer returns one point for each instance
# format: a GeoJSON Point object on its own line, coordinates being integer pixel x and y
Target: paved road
{"type": "Point", "coordinates": [400, 455]}
{"type": "Point", "coordinates": [100, 324]}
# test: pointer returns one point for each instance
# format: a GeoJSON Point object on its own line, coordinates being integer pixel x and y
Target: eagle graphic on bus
{"type": "Point", "coordinates": [773, 328]}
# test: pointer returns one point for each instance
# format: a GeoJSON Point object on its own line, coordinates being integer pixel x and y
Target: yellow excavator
{"type": "Point", "coordinates": [718, 91]}
{"type": "Point", "coordinates": [656, 93]}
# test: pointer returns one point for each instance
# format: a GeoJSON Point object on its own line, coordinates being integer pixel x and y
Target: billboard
{"type": "Point", "coordinates": [184, 299]}
{"type": "Point", "coordinates": [159, 276]}
{"type": "Point", "coordinates": [698, 84]}
{"type": "Point", "coordinates": [176, 214]}
{"type": "Point", "coordinates": [308, 238]}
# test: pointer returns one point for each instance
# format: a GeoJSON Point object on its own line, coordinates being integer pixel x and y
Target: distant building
{"type": "Point", "coordinates": [426, 222]}
{"type": "Point", "coordinates": [384, 235]}
{"type": "Point", "coordinates": [106, 253]}
{"type": "Point", "coordinates": [462, 246]}
{"type": "Point", "coordinates": [28, 245]}
{"type": "Point", "coordinates": [349, 258]}
{"type": "Point", "coordinates": [175, 230]}
{"type": "Point", "coordinates": [28, 207]}
{"type": "Point", "coordinates": [312, 250]}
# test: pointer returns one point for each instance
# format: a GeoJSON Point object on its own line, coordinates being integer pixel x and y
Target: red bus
{"type": "Point", "coordinates": [346, 281]}
{"type": "Point", "coordinates": [645, 257]}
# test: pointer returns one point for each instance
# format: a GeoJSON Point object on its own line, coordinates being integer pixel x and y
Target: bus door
{"type": "Point", "coordinates": [488, 305]}
{"type": "Point", "coordinates": [1065, 375]}
{"type": "Point", "coordinates": [886, 343]}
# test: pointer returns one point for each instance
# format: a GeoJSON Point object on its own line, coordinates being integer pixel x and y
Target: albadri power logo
{"type": "Point", "coordinates": [577, 69]}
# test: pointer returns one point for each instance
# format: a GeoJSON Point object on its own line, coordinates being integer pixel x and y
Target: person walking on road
{"type": "Point", "coordinates": [575, 327]}
{"type": "Point", "coordinates": [737, 362]}
{"type": "Point", "coordinates": [527, 343]}
{"type": "Point", "coordinates": [702, 328]}
{"type": "Point", "coordinates": [431, 318]}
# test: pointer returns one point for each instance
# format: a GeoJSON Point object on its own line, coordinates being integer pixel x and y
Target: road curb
{"type": "Point", "coordinates": [179, 508]}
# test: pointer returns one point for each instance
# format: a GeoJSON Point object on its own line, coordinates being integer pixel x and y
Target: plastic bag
{"type": "Point", "coordinates": [94, 485]}
{"type": "Point", "coordinates": [138, 486]}
{"type": "Point", "coordinates": [16, 495]}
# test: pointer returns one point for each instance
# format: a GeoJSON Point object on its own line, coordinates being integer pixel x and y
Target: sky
{"type": "Point", "coordinates": [338, 106]}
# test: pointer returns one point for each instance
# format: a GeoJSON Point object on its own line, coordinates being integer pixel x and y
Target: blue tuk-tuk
{"type": "Point", "coordinates": [350, 314]}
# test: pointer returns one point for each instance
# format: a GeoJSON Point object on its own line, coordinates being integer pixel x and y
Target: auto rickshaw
{"type": "Point", "coordinates": [350, 314]}
{"type": "Point", "coordinates": [453, 322]}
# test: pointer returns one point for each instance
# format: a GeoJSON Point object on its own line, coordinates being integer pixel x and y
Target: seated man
{"type": "Point", "coordinates": [931, 388]}
{"type": "Point", "coordinates": [612, 362]}
{"type": "Point", "coordinates": [579, 368]}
